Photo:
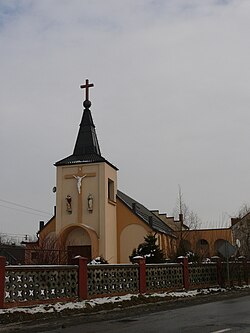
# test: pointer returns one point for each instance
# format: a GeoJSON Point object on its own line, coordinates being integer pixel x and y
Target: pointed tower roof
{"type": "Point", "coordinates": [87, 148]}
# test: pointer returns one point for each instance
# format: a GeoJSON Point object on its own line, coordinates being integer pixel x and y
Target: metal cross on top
{"type": "Point", "coordinates": [87, 85]}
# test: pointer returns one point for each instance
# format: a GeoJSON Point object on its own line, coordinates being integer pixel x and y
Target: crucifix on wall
{"type": "Point", "coordinates": [79, 176]}
{"type": "Point", "coordinates": [79, 182]}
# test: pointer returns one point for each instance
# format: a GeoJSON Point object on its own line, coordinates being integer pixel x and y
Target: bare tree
{"type": "Point", "coordinates": [47, 251]}
{"type": "Point", "coordinates": [241, 230]}
{"type": "Point", "coordinates": [190, 218]}
{"type": "Point", "coordinates": [244, 210]}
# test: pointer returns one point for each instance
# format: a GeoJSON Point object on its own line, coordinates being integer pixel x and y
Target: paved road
{"type": "Point", "coordinates": [232, 315]}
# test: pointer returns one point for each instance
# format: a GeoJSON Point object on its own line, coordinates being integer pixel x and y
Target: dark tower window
{"type": "Point", "coordinates": [111, 190]}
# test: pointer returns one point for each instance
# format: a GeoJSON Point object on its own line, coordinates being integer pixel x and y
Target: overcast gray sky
{"type": "Point", "coordinates": [171, 100]}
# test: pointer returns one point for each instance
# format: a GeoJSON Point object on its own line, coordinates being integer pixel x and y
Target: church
{"type": "Point", "coordinates": [92, 217]}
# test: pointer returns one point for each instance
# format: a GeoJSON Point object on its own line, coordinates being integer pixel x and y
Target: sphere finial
{"type": "Point", "coordinates": [86, 104]}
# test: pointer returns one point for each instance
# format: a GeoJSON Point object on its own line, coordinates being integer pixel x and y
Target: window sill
{"type": "Point", "coordinates": [111, 202]}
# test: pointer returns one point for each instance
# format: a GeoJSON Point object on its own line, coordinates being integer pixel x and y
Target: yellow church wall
{"type": "Point", "coordinates": [102, 218]}
{"type": "Point", "coordinates": [109, 223]}
{"type": "Point", "coordinates": [130, 232]}
{"type": "Point", "coordinates": [168, 244]}
{"type": "Point", "coordinates": [131, 236]}
{"type": "Point", "coordinates": [79, 202]}
{"type": "Point", "coordinates": [50, 227]}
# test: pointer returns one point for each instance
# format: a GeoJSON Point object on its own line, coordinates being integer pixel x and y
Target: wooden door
{"type": "Point", "coordinates": [79, 250]}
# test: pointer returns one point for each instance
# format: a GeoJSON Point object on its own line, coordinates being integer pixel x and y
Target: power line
{"type": "Point", "coordinates": [15, 235]}
{"type": "Point", "coordinates": [22, 206]}
{"type": "Point", "coordinates": [24, 211]}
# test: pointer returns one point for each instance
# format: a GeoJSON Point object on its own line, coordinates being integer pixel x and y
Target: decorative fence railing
{"type": "Point", "coordinates": [164, 277]}
{"type": "Point", "coordinates": [236, 272]}
{"type": "Point", "coordinates": [113, 279]}
{"type": "Point", "coordinates": [25, 285]}
{"type": "Point", "coordinates": [31, 283]}
{"type": "Point", "coordinates": [203, 275]}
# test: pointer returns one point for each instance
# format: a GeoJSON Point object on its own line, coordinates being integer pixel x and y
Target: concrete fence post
{"type": "Point", "coordinates": [2, 281]}
{"type": "Point", "coordinates": [82, 277]}
{"type": "Point", "coordinates": [219, 272]}
{"type": "Point", "coordinates": [245, 270]}
{"type": "Point", "coordinates": [186, 281]}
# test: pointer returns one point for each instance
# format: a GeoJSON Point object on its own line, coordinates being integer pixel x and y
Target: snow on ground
{"type": "Point", "coordinates": [58, 307]}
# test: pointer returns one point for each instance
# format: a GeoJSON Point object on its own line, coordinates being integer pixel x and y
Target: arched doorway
{"type": "Point", "coordinates": [79, 241]}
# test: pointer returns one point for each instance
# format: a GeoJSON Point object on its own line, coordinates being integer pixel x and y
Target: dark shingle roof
{"type": "Point", "coordinates": [87, 148]}
{"type": "Point", "coordinates": [145, 214]}
{"type": "Point", "coordinates": [81, 159]}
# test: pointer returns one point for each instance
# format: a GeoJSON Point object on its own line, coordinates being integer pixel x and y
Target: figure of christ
{"type": "Point", "coordinates": [79, 182]}
{"type": "Point", "coordinates": [79, 177]}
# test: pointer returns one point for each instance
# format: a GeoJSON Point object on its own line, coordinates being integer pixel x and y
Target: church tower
{"type": "Point", "coordinates": [86, 190]}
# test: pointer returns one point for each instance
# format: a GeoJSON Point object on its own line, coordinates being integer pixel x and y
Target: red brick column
{"type": "Point", "coordinates": [82, 277]}
{"type": "Point", "coordinates": [142, 273]}
{"type": "Point", "coordinates": [2, 281]}
{"type": "Point", "coordinates": [245, 269]}
{"type": "Point", "coordinates": [186, 282]}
